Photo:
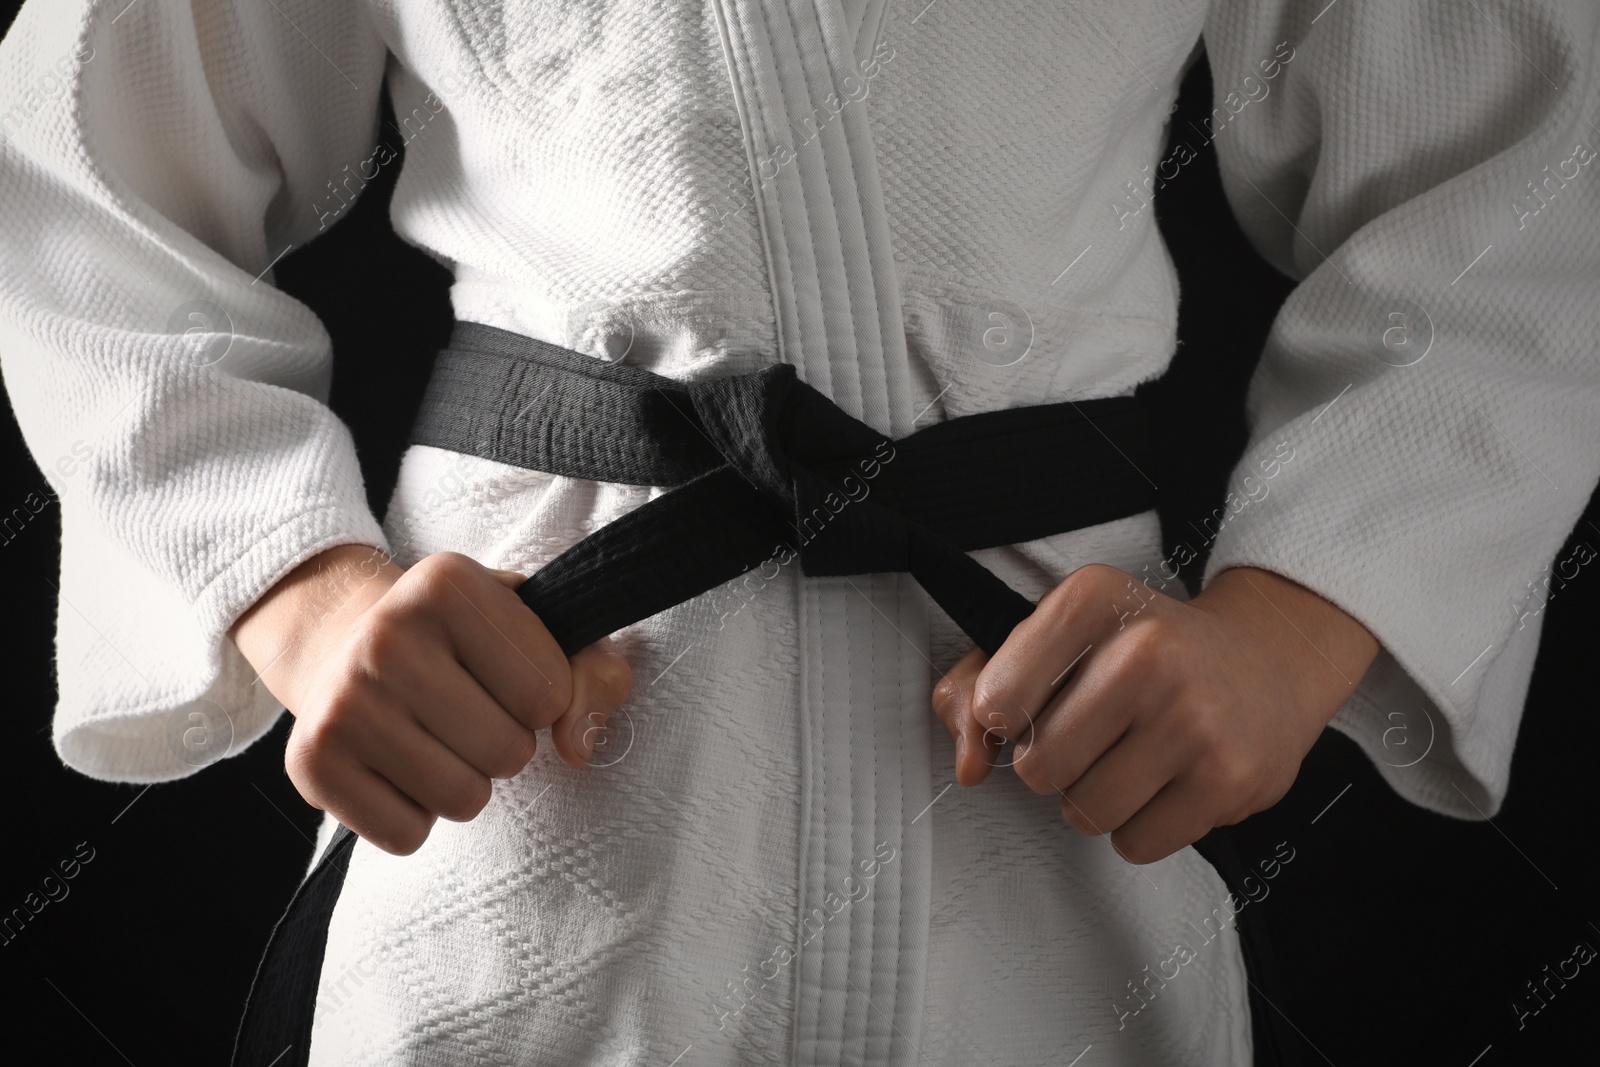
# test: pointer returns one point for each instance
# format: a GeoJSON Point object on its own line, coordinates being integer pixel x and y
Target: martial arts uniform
{"type": "Point", "coordinates": [929, 211]}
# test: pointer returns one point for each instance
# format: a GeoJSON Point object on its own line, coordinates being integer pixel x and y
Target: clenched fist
{"type": "Point", "coordinates": [413, 688]}
{"type": "Point", "coordinates": [1157, 719]}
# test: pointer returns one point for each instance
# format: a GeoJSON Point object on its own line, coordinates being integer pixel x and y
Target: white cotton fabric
{"type": "Point", "coordinates": [959, 228]}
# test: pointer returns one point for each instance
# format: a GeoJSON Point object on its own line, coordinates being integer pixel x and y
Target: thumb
{"type": "Point", "coordinates": [601, 683]}
{"type": "Point", "coordinates": [509, 579]}
{"type": "Point", "coordinates": [975, 746]}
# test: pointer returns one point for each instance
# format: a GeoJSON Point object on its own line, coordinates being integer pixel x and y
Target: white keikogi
{"type": "Point", "coordinates": [928, 210]}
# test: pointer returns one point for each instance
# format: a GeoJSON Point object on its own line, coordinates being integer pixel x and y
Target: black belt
{"type": "Point", "coordinates": [760, 466]}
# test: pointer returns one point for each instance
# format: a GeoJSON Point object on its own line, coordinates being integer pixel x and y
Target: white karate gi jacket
{"type": "Point", "coordinates": [930, 210]}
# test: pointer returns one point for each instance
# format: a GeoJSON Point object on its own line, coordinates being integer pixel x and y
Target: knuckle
{"type": "Point", "coordinates": [551, 698]}
{"type": "Point", "coordinates": [1234, 818]}
{"type": "Point", "coordinates": [522, 747]}
{"type": "Point", "coordinates": [991, 710]}
{"type": "Point", "coordinates": [380, 645]}
{"type": "Point", "coordinates": [1074, 814]}
{"type": "Point", "coordinates": [1138, 850]}
{"type": "Point", "coordinates": [1272, 791]}
{"type": "Point", "coordinates": [343, 720]}
{"type": "Point", "coordinates": [307, 763]}
{"type": "Point", "coordinates": [509, 758]}
{"type": "Point", "coordinates": [465, 799]}
{"type": "Point", "coordinates": [1060, 602]}
{"type": "Point", "coordinates": [615, 676]}
{"type": "Point", "coordinates": [317, 739]}
{"type": "Point", "coordinates": [1152, 646]}
{"type": "Point", "coordinates": [440, 573]}
{"type": "Point", "coordinates": [1030, 768]}
{"type": "Point", "coordinates": [451, 563]}
{"type": "Point", "coordinates": [946, 697]}
{"type": "Point", "coordinates": [403, 840]}
{"type": "Point", "coordinates": [1232, 774]}
{"type": "Point", "coordinates": [1093, 580]}
{"type": "Point", "coordinates": [1101, 575]}
{"type": "Point", "coordinates": [1203, 722]}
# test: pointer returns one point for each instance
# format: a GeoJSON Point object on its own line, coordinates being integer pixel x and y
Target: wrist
{"type": "Point", "coordinates": [283, 633]}
{"type": "Point", "coordinates": [1330, 649]}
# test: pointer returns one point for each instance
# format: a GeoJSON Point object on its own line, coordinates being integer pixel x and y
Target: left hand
{"type": "Point", "coordinates": [1157, 719]}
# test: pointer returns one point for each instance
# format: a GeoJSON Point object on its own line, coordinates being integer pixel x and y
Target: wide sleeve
{"type": "Point", "coordinates": [1425, 418]}
{"type": "Point", "coordinates": [158, 159]}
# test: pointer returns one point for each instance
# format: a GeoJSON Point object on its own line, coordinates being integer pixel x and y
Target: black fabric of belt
{"type": "Point", "coordinates": [762, 466]}
{"type": "Point", "coordinates": [762, 470]}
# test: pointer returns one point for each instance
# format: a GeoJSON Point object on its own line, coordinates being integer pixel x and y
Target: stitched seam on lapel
{"type": "Point", "coordinates": [836, 300]}
{"type": "Point", "coordinates": [746, 122]}
{"type": "Point", "coordinates": [867, 37]}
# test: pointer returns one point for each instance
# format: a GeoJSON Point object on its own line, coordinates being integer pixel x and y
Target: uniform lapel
{"type": "Point", "coordinates": [802, 73]}
{"type": "Point", "coordinates": [802, 95]}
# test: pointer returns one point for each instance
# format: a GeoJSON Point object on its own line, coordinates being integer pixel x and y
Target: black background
{"type": "Point", "coordinates": [1399, 936]}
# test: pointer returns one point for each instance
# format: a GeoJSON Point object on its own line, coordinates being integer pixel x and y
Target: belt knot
{"type": "Point", "coordinates": [812, 461]}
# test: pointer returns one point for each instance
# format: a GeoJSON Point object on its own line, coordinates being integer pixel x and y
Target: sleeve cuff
{"type": "Point", "coordinates": [1438, 710]}
{"type": "Point", "coordinates": [152, 688]}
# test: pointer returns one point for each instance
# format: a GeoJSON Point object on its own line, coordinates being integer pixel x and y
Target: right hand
{"type": "Point", "coordinates": [413, 688]}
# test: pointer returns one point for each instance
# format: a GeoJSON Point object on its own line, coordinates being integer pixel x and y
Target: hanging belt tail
{"type": "Point", "coordinates": [760, 470]}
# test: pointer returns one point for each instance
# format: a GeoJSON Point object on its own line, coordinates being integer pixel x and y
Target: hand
{"type": "Point", "coordinates": [1157, 719]}
{"type": "Point", "coordinates": [411, 689]}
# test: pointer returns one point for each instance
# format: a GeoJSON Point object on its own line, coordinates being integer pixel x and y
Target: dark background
{"type": "Point", "coordinates": [1396, 936]}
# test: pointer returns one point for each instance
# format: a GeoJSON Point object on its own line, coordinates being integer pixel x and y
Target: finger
{"type": "Point", "coordinates": [368, 804]}
{"type": "Point", "coordinates": [1048, 645]}
{"type": "Point", "coordinates": [601, 682]}
{"type": "Point", "coordinates": [1181, 814]}
{"type": "Point", "coordinates": [422, 768]}
{"type": "Point", "coordinates": [1119, 784]}
{"type": "Point", "coordinates": [453, 707]}
{"type": "Point", "coordinates": [1080, 724]}
{"type": "Point", "coordinates": [976, 747]}
{"type": "Point", "coordinates": [383, 815]}
{"type": "Point", "coordinates": [497, 638]}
